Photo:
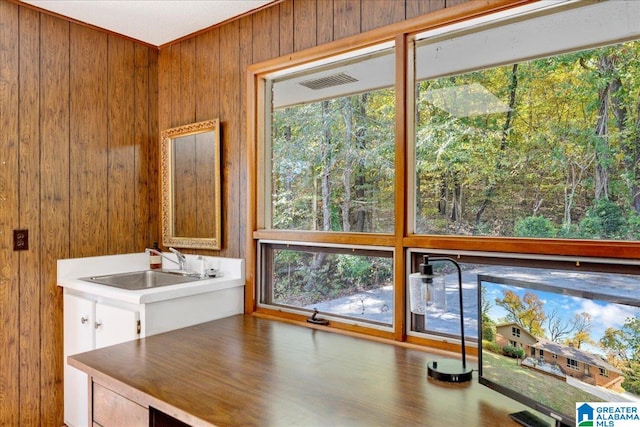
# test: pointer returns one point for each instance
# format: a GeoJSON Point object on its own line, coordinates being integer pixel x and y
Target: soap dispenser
{"type": "Point", "coordinates": [155, 260]}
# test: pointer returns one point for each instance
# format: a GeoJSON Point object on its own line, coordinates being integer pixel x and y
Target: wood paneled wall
{"type": "Point", "coordinates": [78, 169]}
{"type": "Point", "coordinates": [203, 77]}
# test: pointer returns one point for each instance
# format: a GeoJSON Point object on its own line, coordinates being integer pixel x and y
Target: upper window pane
{"type": "Point", "coordinates": [332, 146]}
{"type": "Point", "coordinates": [547, 148]}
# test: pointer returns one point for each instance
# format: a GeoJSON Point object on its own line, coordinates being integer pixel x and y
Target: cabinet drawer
{"type": "Point", "coordinates": [112, 410]}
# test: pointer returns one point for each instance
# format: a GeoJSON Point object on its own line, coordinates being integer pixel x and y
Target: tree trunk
{"type": "Point", "coordinates": [361, 139]}
{"type": "Point", "coordinates": [503, 144]}
{"type": "Point", "coordinates": [347, 114]}
{"type": "Point", "coordinates": [601, 174]}
{"type": "Point", "coordinates": [325, 180]}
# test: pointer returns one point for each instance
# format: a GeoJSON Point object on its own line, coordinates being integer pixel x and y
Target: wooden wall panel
{"type": "Point", "coordinates": [304, 24]}
{"type": "Point", "coordinates": [141, 145]}
{"type": "Point", "coordinates": [421, 7]}
{"type": "Point", "coordinates": [9, 218]}
{"type": "Point", "coordinates": [230, 123]}
{"type": "Point", "coordinates": [379, 13]}
{"type": "Point", "coordinates": [246, 53]}
{"type": "Point", "coordinates": [207, 83]}
{"type": "Point", "coordinates": [121, 158]}
{"type": "Point", "coordinates": [346, 18]}
{"type": "Point", "coordinates": [30, 277]}
{"type": "Point", "coordinates": [324, 12]}
{"type": "Point", "coordinates": [58, 96]}
{"type": "Point", "coordinates": [55, 200]}
{"type": "Point", "coordinates": [266, 34]}
{"type": "Point", "coordinates": [89, 161]}
{"type": "Point", "coordinates": [286, 27]}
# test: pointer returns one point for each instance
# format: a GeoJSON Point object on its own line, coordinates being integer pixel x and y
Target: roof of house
{"type": "Point", "coordinates": [575, 354]}
{"type": "Point", "coordinates": [565, 350]}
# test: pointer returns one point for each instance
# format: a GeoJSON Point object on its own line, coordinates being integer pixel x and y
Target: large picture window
{"type": "Point", "coordinates": [332, 146]}
{"type": "Point", "coordinates": [548, 148]}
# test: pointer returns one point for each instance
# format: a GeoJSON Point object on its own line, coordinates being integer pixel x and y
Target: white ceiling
{"type": "Point", "coordinates": [156, 22]}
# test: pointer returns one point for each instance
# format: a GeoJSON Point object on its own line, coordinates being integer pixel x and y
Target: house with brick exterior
{"type": "Point", "coordinates": [573, 362]}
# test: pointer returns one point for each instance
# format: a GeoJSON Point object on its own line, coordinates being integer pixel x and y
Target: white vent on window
{"type": "Point", "coordinates": [328, 81]}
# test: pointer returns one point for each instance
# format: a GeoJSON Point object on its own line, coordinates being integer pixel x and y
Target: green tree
{"type": "Point", "coordinates": [622, 347]}
{"type": "Point", "coordinates": [534, 226]}
{"type": "Point", "coordinates": [527, 312]}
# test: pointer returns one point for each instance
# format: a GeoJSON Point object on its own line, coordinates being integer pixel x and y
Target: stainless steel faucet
{"type": "Point", "coordinates": [182, 260]}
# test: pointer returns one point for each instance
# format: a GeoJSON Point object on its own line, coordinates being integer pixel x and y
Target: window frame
{"type": "Point", "coordinates": [607, 255]}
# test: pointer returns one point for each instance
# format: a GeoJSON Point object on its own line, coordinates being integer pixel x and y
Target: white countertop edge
{"type": "Point", "coordinates": [71, 270]}
{"type": "Point", "coordinates": [146, 296]}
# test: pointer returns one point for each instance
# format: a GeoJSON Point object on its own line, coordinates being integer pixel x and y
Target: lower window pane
{"type": "Point", "coordinates": [350, 283]}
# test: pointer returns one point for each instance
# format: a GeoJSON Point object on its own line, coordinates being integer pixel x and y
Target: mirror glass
{"type": "Point", "coordinates": [191, 186]}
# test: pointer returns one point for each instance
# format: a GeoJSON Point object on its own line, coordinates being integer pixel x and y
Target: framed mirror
{"type": "Point", "coordinates": [190, 169]}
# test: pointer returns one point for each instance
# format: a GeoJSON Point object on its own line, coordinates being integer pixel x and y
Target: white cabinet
{"type": "Point", "coordinates": [92, 322]}
{"type": "Point", "coordinates": [122, 315]}
{"type": "Point", "coordinates": [88, 325]}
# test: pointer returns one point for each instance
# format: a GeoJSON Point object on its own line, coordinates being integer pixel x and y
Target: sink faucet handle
{"type": "Point", "coordinates": [182, 259]}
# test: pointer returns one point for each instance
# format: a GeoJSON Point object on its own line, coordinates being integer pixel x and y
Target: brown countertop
{"type": "Point", "coordinates": [247, 371]}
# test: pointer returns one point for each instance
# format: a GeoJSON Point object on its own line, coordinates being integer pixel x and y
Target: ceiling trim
{"type": "Point", "coordinates": [23, 3]}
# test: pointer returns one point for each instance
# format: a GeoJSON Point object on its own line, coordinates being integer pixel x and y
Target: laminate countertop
{"type": "Point", "coordinates": [248, 371]}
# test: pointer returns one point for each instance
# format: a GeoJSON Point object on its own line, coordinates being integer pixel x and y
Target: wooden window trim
{"type": "Point", "coordinates": [402, 34]}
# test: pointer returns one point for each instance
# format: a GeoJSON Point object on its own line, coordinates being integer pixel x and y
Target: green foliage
{"type": "Point", "coordinates": [333, 164]}
{"type": "Point", "coordinates": [492, 346]}
{"type": "Point", "coordinates": [488, 328]}
{"type": "Point", "coordinates": [531, 171]}
{"type": "Point", "coordinates": [534, 226]}
{"type": "Point", "coordinates": [304, 278]}
{"type": "Point", "coordinates": [511, 351]}
{"type": "Point", "coordinates": [623, 351]}
{"type": "Point", "coordinates": [604, 220]}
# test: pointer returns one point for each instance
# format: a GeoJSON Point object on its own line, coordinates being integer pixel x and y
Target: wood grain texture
{"type": "Point", "coordinates": [208, 78]}
{"type": "Point", "coordinates": [258, 372]}
{"type": "Point", "coordinates": [379, 13]}
{"type": "Point", "coordinates": [89, 160]}
{"type": "Point", "coordinates": [9, 217]}
{"type": "Point", "coordinates": [324, 13]}
{"type": "Point", "coordinates": [230, 123]}
{"type": "Point", "coordinates": [286, 27]}
{"type": "Point", "coordinates": [30, 275]}
{"type": "Point", "coordinates": [49, 191]}
{"type": "Point", "coordinates": [121, 150]}
{"type": "Point", "coordinates": [266, 34]}
{"type": "Point", "coordinates": [421, 7]}
{"type": "Point", "coordinates": [346, 18]}
{"type": "Point", "coordinates": [54, 210]}
{"type": "Point", "coordinates": [142, 139]}
{"type": "Point", "coordinates": [113, 410]}
{"type": "Point", "coordinates": [304, 24]}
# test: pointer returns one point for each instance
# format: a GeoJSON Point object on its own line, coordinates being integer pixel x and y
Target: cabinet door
{"type": "Point", "coordinates": [78, 321]}
{"type": "Point", "coordinates": [115, 325]}
{"type": "Point", "coordinates": [111, 409]}
{"type": "Point", "coordinates": [78, 338]}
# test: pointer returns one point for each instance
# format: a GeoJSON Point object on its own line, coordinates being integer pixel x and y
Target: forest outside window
{"type": "Point", "coordinates": [331, 143]}
{"type": "Point", "coordinates": [345, 283]}
{"type": "Point", "coordinates": [543, 148]}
